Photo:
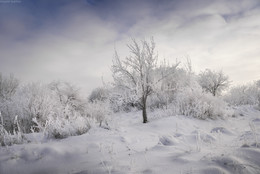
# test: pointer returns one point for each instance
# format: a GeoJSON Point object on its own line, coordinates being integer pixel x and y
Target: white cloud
{"type": "Point", "coordinates": [77, 44]}
{"type": "Point", "coordinates": [218, 36]}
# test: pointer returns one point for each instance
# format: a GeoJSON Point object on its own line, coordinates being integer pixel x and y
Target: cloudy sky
{"type": "Point", "coordinates": [74, 40]}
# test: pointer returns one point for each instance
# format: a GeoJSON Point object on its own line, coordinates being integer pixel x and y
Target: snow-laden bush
{"type": "Point", "coordinates": [6, 138]}
{"type": "Point", "coordinates": [99, 94]}
{"type": "Point", "coordinates": [100, 111]}
{"type": "Point", "coordinates": [157, 101]}
{"type": "Point", "coordinates": [8, 86]}
{"type": "Point", "coordinates": [34, 101]}
{"type": "Point", "coordinates": [72, 115]}
{"type": "Point", "coordinates": [165, 92]}
{"type": "Point", "coordinates": [192, 101]}
{"type": "Point", "coordinates": [30, 101]}
{"type": "Point", "coordinates": [56, 109]}
{"type": "Point", "coordinates": [244, 95]}
{"type": "Point", "coordinates": [60, 127]}
{"type": "Point", "coordinates": [123, 100]}
{"type": "Point", "coordinates": [68, 97]}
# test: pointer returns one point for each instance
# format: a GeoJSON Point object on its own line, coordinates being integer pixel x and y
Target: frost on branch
{"type": "Point", "coordinates": [213, 82]}
{"type": "Point", "coordinates": [193, 101]}
{"type": "Point", "coordinates": [244, 94]}
{"type": "Point", "coordinates": [135, 73]}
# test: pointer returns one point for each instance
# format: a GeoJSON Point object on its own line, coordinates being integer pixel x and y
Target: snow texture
{"type": "Point", "coordinates": [167, 144]}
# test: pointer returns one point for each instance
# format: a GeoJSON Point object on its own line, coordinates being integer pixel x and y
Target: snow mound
{"type": "Point", "coordinates": [213, 170]}
{"type": "Point", "coordinates": [168, 141]}
{"type": "Point", "coordinates": [256, 120]}
{"type": "Point", "coordinates": [205, 137]}
{"type": "Point", "coordinates": [243, 161]}
{"type": "Point", "coordinates": [221, 130]}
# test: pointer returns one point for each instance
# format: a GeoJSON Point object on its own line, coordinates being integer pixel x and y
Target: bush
{"type": "Point", "coordinates": [192, 101]}
{"type": "Point", "coordinates": [6, 138]}
{"type": "Point", "coordinates": [8, 86]}
{"type": "Point", "coordinates": [60, 127]}
{"type": "Point", "coordinates": [98, 94]}
{"type": "Point", "coordinates": [99, 111]}
{"type": "Point", "coordinates": [55, 109]}
{"type": "Point", "coordinates": [123, 100]}
{"type": "Point", "coordinates": [244, 95]}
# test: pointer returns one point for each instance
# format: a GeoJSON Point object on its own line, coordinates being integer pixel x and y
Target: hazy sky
{"type": "Point", "coordinates": [74, 40]}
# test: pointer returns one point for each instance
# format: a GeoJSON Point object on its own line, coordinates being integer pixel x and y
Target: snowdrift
{"type": "Point", "coordinates": [174, 144]}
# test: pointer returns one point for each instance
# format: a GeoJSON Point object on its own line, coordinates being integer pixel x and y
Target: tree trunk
{"type": "Point", "coordinates": [144, 109]}
{"type": "Point", "coordinates": [214, 92]}
{"type": "Point", "coordinates": [144, 115]}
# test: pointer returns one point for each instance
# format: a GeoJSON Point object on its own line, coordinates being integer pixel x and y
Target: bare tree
{"type": "Point", "coordinates": [136, 72]}
{"type": "Point", "coordinates": [213, 82]}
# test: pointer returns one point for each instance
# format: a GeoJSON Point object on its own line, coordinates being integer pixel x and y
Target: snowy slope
{"type": "Point", "coordinates": [175, 144]}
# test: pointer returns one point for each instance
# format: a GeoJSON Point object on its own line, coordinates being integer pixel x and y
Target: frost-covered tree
{"type": "Point", "coordinates": [213, 82]}
{"type": "Point", "coordinates": [135, 73]}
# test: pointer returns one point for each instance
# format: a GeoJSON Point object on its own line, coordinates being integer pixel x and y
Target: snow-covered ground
{"type": "Point", "coordinates": [174, 144]}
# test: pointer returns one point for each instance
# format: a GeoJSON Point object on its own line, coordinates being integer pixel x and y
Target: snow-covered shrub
{"type": "Point", "coordinates": [99, 111]}
{"type": "Point", "coordinates": [60, 127]}
{"type": "Point", "coordinates": [165, 91]}
{"type": "Point", "coordinates": [68, 97]}
{"type": "Point", "coordinates": [56, 109]}
{"type": "Point", "coordinates": [35, 101]}
{"type": "Point", "coordinates": [30, 101]}
{"type": "Point", "coordinates": [244, 95]}
{"type": "Point", "coordinates": [248, 95]}
{"type": "Point", "coordinates": [69, 115]}
{"type": "Point", "coordinates": [6, 138]}
{"type": "Point", "coordinates": [241, 96]}
{"type": "Point", "coordinates": [8, 86]}
{"type": "Point", "coordinates": [156, 101]}
{"type": "Point", "coordinates": [99, 94]}
{"type": "Point", "coordinates": [72, 115]}
{"type": "Point", "coordinates": [192, 101]}
{"type": "Point", "coordinates": [123, 100]}
{"type": "Point", "coordinates": [8, 115]}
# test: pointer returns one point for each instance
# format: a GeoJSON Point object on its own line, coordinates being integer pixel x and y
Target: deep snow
{"type": "Point", "coordinates": [173, 144]}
